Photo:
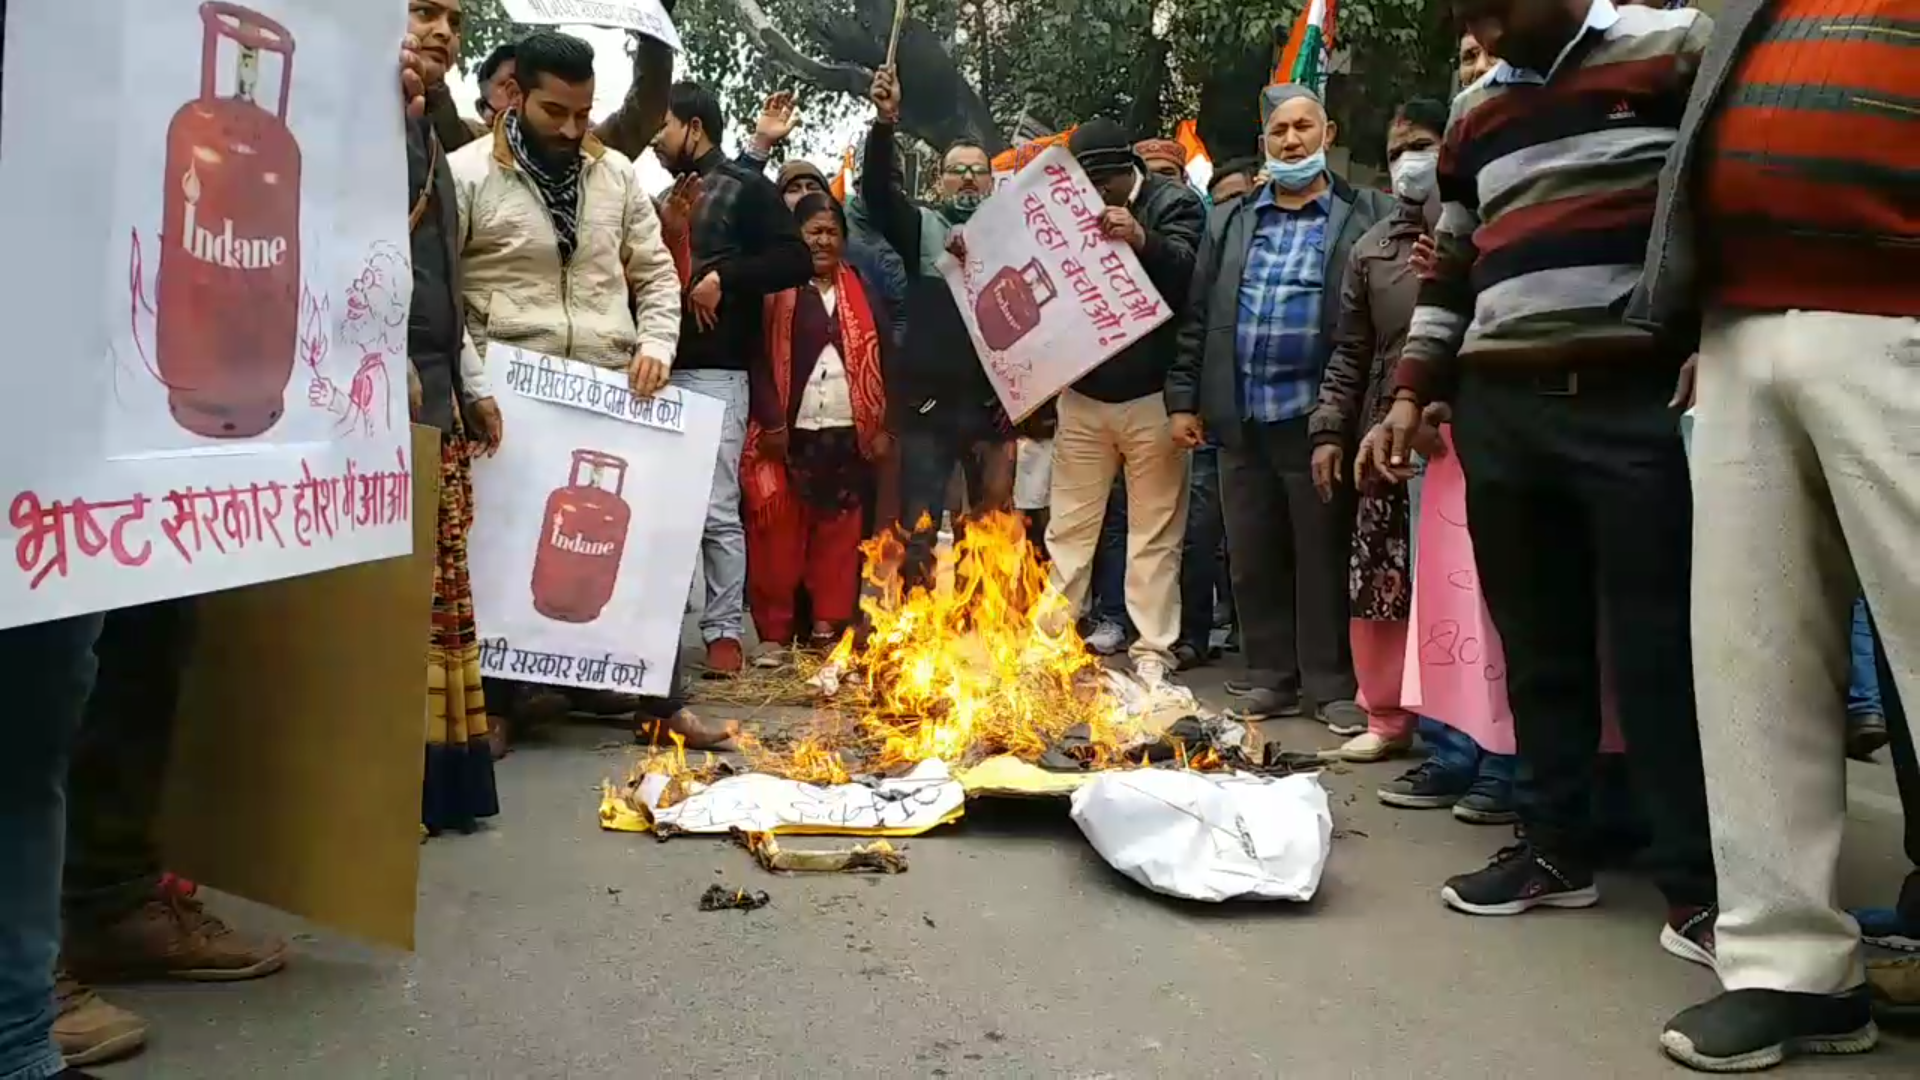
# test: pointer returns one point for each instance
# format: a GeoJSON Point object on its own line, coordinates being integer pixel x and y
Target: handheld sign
{"type": "Point", "coordinates": [648, 18]}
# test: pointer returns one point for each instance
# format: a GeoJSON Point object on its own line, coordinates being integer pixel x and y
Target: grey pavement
{"type": "Point", "coordinates": [550, 949]}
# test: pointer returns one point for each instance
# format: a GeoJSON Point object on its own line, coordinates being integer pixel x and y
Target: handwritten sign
{"type": "Point", "coordinates": [586, 527]}
{"type": "Point", "coordinates": [1046, 297]}
{"type": "Point", "coordinates": [584, 386]}
{"type": "Point", "coordinates": [646, 17]}
{"type": "Point", "coordinates": [206, 359]}
{"type": "Point", "coordinates": [1456, 669]}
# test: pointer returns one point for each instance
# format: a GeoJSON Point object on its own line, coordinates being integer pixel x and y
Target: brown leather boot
{"type": "Point", "coordinates": [89, 1030]}
{"type": "Point", "coordinates": [172, 936]}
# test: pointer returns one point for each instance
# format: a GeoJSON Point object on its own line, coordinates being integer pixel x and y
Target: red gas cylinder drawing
{"type": "Point", "coordinates": [583, 535]}
{"type": "Point", "coordinates": [229, 283]}
{"type": "Point", "coordinates": [1008, 309]}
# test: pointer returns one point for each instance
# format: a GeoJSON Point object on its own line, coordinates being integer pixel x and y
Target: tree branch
{"type": "Point", "coordinates": [846, 78]}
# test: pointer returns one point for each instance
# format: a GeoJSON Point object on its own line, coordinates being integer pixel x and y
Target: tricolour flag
{"type": "Point", "coordinates": [1304, 58]}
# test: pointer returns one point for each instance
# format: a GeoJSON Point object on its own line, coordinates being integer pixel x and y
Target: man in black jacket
{"type": "Point", "coordinates": [745, 245]}
{"type": "Point", "coordinates": [941, 407]}
{"type": "Point", "coordinates": [1115, 417]}
{"type": "Point", "coordinates": [1253, 344]}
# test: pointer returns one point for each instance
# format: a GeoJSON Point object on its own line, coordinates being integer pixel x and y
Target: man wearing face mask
{"type": "Point", "coordinates": [1376, 303]}
{"type": "Point", "coordinates": [1254, 340]}
{"type": "Point", "coordinates": [943, 409]}
{"type": "Point", "coordinates": [1115, 418]}
{"type": "Point", "coordinates": [745, 245]}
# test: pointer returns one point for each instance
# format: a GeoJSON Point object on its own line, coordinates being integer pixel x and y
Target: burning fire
{"type": "Point", "coordinates": [986, 662]}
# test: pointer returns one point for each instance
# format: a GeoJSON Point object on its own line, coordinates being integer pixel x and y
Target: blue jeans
{"type": "Point", "coordinates": [48, 672]}
{"type": "Point", "coordinates": [1201, 578]}
{"type": "Point", "coordinates": [1110, 563]}
{"type": "Point", "coordinates": [1863, 693]}
{"type": "Point", "coordinates": [1459, 754]}
{"type": "Point", "coordinates": [723, 546]}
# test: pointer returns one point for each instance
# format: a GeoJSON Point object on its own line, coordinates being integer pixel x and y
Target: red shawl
{"type": "Point", "coordinates": [764, 485]}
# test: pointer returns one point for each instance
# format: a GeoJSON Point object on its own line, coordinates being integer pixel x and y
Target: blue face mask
{"type": "Point", "coordinates": [1297, 175]}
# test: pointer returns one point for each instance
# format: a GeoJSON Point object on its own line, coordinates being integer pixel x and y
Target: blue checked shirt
{"type": "Point", "coordinates": [1277, 338]}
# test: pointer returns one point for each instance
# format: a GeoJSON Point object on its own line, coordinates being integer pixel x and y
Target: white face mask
{"type": "Point", "coordinates": [1413, 175]}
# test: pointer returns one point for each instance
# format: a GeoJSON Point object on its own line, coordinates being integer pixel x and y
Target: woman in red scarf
{"type": "Point", "coordinates": [817, 429]}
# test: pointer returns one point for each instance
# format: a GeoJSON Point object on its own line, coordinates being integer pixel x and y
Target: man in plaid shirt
{"type": "Point", "coordinates": [1254, 339]}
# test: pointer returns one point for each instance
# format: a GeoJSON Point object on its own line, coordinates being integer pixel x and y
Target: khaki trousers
{"type": "Point", "coordinates": [1806, 486]}
{"type": "Point", "coordinates": [1094, 441]}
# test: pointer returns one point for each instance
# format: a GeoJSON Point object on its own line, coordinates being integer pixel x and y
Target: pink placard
{"type": "Point", "coordinates": [1456, 671]}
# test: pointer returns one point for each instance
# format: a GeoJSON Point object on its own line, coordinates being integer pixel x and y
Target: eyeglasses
{"type": "Point", "coordinates": [968, 171]}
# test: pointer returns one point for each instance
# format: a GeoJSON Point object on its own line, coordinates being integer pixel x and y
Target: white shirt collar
{"type": "Point", "coordinates": [1601, 15]}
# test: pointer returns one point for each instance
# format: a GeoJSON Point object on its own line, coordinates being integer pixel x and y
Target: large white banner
{"type": "Point", "coordinates": [1045, 296]}
{"type": "Point", "coordinates": [206, 317]}
{"type": "Point", "coordinates": [646, 17]}
{"type": "Point", "coordinates": [587, 524]}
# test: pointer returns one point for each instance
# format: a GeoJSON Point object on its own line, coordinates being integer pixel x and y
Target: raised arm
{"type": "Point", "coordinates": [774, 257]}
{"type": "Point", "coordinates": [887, 205]}
{"type": "Point", "coordinates": [639, 118]}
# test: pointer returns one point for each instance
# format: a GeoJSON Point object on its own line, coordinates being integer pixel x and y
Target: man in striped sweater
{"type": "Point", "coordinates": [1576, 477]}
{"type": "Point", "coordinates": [1788, 241]}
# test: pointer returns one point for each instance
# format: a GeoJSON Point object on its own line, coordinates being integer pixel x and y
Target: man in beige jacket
{"type": "Point", "coordinates": [561, 251]}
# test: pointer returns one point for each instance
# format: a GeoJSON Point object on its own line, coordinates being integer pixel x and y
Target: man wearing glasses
{"type": "Point", "coordinates": [941, 407]}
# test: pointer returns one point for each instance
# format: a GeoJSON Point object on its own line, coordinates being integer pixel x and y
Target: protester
{"type": "Point", "coordinates": [1164, 158]}
{"type": "Point", "coordinates": [1376, 304]}
{"type": "Point", "coordinates": [942, 408]}
{"type": "Point", "coordinates": [745, 248]}
{"type": "Point", "coordinates": [819, 424]}
{"type": "Point", "coordinates": [1113, 421]}
{"type": "Point", "coordinates": [1898, 927]}
{"type": "Point", "coordinates": [1234, 178]}
{"type": "Point", "coordinates": [1787, 243]}
{"type": "Point", "coordinates": [495, 76]}
{"type": "Point", "coordinates": [1576, 476]}
{"type": "Point", "coordinates": [1253, 342]}
{"type": "Point", "coordinates": [879, 267]}
{"type": "Point", "coordinates": [1474, 61]}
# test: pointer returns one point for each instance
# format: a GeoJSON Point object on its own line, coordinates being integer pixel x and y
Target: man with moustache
{"type": "Point", "coordinates": [745, 245]}
{"type": "Point", "coordinates": [1254, 341]}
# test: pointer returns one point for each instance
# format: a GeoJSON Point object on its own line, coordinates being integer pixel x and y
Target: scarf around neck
{"type": "Point", "coordinates": [559, 189]}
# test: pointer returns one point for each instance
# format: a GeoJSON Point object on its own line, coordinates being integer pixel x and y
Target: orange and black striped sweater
{"type": "Point", "coordinates": [1810, 189]}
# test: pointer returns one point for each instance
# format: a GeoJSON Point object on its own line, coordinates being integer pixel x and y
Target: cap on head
{"type": "Point", "coordinates": [1275, 96]}
{"type": "Point", "coordinates": [1102, 148]}
{"type": "Point", "coordinates": [1162, 150]}
{"type": "Point", "coordinates": [800, 170]}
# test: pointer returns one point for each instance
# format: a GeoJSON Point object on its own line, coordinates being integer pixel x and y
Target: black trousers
{"type": "Point", "coordinates": [1906, 773]}
{"type": "Point", "coordinates": [931, 444]}
{"type": "Point", "coordinates": [1288, 563]}
{"type": "Point", "coordinates": [1575, 498]}
{"type": "Point", "coordinates": [119, 770]}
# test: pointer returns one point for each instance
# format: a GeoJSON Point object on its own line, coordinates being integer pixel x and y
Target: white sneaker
{"type": "Point", "coordinates": [1367, 748]}
{"type": "Point", "coordinates": [771, 658]}
{"type": "Point", "coordinates": [1152, 675]}
{"type": "Point", "coordinates": [1107, 638]}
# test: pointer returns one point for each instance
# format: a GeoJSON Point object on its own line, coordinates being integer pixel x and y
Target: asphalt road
{"type": "Point", "coordinates": [550, 949]}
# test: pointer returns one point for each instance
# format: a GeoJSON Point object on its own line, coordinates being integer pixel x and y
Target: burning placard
{"type": "Point", "coordinates": [665, 804]}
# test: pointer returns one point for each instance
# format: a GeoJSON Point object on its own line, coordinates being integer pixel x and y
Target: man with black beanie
{"type": "Point", "coordinates": [1115, 418]}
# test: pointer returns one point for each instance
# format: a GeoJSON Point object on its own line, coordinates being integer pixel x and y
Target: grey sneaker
{"type": "Point", "coordinates": [1266, 705]}
{"type": "Point", "coordinates": [1107, 638]}
{"type": "Point", "coordinates": [1343, 718]}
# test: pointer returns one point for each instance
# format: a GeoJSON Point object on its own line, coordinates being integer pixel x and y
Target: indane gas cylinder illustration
{"type": "Point", "coordinates": [228, 296]}
{"type": "Point", "coordinates": [583, 535]}
{"type": "Point", "coordinates": [1008, 309]}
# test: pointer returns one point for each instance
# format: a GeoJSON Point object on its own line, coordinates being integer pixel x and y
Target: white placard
{"type": "Point", "coordinates": [1044, 295]}
{"type": "Point", "coordinates": [586, 528]}
{"type": "Point", "coordinates": [244, 180]}
{"type": "Point", "coordinates": [646, 17]}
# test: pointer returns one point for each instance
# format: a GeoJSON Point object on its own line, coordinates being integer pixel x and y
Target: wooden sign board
{"type": "Point", "coordinates": [298, 750]}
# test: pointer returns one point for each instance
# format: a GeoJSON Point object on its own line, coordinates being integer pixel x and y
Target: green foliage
{"type": "Point", "coordinates": [1055, 62]}
{"type": "Point", "coordinates": [487, 26]}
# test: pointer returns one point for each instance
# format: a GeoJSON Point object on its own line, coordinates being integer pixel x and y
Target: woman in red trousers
{"type": "Point", "coordinates": [817, 430]}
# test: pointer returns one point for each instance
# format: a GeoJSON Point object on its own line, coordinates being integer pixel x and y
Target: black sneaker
{"type": "Point", "coordinates": [1426, 786]}
{"type": "Point", "coordinates": [1519, 879]}
{"type": "Point", "coordinates": [1488, 801]}
{"type": "Point", "coordinates": [1751, 1030]}
{"type": "Point", "coordinates": [1689, 934]}
{"type": "Point", "coordinates": [1266, 705]}
{"type": "Point", "coordinates": [1867, 735]}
